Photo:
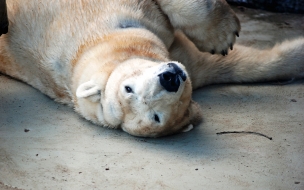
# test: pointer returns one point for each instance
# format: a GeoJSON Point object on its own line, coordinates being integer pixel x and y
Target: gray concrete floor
{"type": "Point", "coordinates": [45, 145]}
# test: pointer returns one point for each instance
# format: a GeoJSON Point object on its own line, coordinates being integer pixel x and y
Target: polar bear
{"type": "Point", "coordinates": [133, 64]}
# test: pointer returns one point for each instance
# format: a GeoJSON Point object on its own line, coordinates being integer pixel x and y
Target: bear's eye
{"type": "Point", "coordinates": [128, 89]}
{"type": "Point", "coordinates": [156, 118]}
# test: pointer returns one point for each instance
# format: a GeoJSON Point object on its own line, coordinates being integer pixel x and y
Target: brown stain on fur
{"type": "Point", "coordinates": [6, 62]}
{"type": "Point", "coordinates": [135, 47]}
{"type": "Point", "coordinates": [124, 47]}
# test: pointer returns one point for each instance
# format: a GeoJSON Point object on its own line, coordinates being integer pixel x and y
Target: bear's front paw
{"type": "Point", "coordinates": [214, 32]}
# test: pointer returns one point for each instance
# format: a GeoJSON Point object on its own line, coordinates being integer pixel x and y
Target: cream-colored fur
{"type": "Point", "coordinates": [210, 24]}
{"type": "Point", "coordinates": [105, 58]}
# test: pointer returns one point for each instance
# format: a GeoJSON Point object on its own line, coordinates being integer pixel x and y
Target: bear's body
{"type": "Point", "coordinates": [111, 60]}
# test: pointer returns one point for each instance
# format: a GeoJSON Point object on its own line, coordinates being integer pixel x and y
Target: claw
{"type": "Point", "coordinates": [237, 34]}
{"type": "Point", "coordinates": [212, 52]}
{"type": "Point", "coordinates": [224, 52]}
{"type": "Point", "coordinates": [231, 46]}
{"type": "Point", "coordinates": [3, 28]}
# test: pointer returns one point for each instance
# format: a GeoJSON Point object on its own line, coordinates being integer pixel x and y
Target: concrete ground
{"type": "Point", "coordinates": [45, 145]}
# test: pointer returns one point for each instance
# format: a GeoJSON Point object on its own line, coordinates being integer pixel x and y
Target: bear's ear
{"type": "Point", "coordinates": [89, 90]}
{"type": "Point", "coordinates": [194, 116]}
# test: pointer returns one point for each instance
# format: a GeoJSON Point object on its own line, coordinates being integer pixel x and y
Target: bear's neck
{"type": "Point", "coordinates": [102, 56]}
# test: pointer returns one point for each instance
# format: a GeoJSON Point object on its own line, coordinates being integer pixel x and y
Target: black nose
{"type": "Point", "coordinates": [170, 79]}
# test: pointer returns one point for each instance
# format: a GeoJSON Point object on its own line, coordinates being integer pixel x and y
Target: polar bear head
{"type": "Point", "coordinates": [146, 98]}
